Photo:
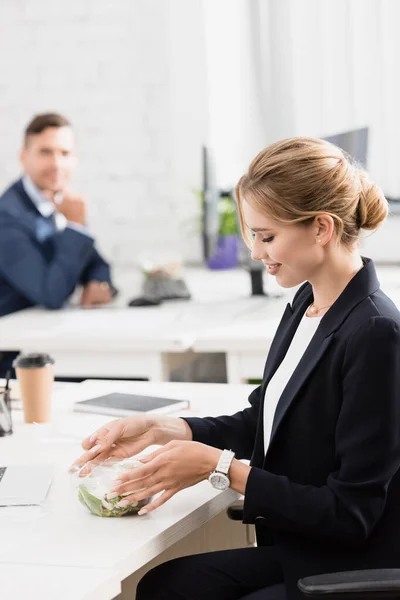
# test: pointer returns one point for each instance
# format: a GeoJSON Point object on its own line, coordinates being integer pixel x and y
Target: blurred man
{"type": "Point", "coordinates": [45, 247]}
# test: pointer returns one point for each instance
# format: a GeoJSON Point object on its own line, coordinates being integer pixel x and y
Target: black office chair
{"type": "Point", "coordinates": [370, 584]}
{"type": "Point", "coordinates": [235, 513]}
{"type": "Point", "coordinates": [355, 585]}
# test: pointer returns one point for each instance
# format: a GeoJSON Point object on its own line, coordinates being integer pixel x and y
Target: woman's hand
{"type": "Point", "coordinates": [118, 439]}
{"type": "Point", "coordinates": [177, 465]}
{"type": "Point", "coordinates": [124, 438]}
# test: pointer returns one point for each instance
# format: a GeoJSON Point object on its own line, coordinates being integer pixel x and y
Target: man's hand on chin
{"type": "Point", "coordinates": [72, 206]}
{"type": "Point", "coordinates": [96, 292]}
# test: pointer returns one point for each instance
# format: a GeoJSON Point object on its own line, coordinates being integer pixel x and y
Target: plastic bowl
{"type": "Point", "coordinates": [94, 487]}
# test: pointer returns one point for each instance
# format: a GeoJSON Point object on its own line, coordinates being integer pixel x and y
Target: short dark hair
{"type": "Point", "coordinates": [41, 122]}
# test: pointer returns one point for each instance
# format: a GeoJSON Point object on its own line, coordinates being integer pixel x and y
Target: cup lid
{"type": "Point", "coordinates": [32, 360]}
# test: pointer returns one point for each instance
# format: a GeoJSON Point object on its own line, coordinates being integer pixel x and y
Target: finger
{"type": "Point", "coordinates": [87, 462]}
{"type": "Point", "coordinates": [149, 457]}
{"type": "Point", "coordinates": [167, 495]}
{"type": "Point", "coordinates": [89, 441]}
{"type": "Point", "coordinates": [138, 473]}
{"type": "Point", "coordinates": [86, 301]}
{"type": "Point", "coordinates": [134, 483]}
{"type": "Point", "coordinates": [104, 437]}
{"type": "Point", "coordinates": [139, 495]}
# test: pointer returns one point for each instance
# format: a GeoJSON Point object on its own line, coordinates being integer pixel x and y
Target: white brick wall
{"type": "Point", "coordinates": [130, 74]}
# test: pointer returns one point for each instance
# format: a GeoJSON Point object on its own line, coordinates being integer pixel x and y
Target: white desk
{"type": "Point", "coordinates": [150, 342]}
{"type": "Point", "coordinates": [33, 582]}
{"type": "Point", "coordinates": [107, 342]}
{"type": "Point", "coordinates": [62, 534]}
{"type": "Point", "coordinates": [245, 342]}
{"type": "Point", "coordinates": [122, 342]}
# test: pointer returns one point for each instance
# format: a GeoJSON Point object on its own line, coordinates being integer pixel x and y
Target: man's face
{"type": "Point", "coordinates": [48, 158]}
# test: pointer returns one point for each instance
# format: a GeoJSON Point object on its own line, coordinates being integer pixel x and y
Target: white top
{"type": "Point", "coordinates": [301, 339]}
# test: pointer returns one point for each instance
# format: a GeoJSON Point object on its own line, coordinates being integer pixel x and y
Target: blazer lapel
{"type": "Point", "coordinates": [363, 284]}
{"type": "Point", "coordinates": [313, 354]}
{"type": "Point", "coordinates": [283, 337]}
{"type": "Point", "coordinates": [281, 342]}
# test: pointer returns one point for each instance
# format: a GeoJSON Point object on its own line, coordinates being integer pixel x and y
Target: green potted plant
{"type": "Point", "coordinates": [226, 255]}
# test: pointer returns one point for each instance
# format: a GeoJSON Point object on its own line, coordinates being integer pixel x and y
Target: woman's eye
{"type": "Point", "coordinates": [268, 239]}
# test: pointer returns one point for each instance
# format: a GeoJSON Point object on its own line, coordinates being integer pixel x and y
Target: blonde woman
{"type": "Point", "coordinates": [323, 485]}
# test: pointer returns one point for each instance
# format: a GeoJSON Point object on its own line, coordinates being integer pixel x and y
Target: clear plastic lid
{"type": "Point", "coordinates": [95, 481]}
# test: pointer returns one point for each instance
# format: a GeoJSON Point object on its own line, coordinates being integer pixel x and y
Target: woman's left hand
{"type": "Point", "coordinates": [171, 468]}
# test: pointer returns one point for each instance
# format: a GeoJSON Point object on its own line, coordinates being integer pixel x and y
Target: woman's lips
{"type": "Point", "coordinates": [273, 268]}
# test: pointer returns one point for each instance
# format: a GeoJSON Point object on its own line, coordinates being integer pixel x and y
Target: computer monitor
{"type": "Point", "coordinates": [353, 142]}
{"type": "Point", "coordinates": [210, 197]}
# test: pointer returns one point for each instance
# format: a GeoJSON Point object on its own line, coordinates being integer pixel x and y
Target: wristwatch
{"type": "Point", "coordinates": [219, 478]}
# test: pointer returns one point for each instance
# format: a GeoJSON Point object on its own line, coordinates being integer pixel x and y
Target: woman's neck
{"type": "Point", "coordinates": [332, 278]}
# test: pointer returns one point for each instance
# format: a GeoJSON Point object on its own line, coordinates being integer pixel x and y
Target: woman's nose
{"type": "Point", "coordinates": [257, 251]}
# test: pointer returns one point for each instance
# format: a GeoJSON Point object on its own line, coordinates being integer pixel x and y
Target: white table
{"type": "Point", "coordinates": [151, 342]}
{"type": "Point", "coordinates": [246, 341]}
{"type": "Point", "coordinates": [62, 534]}
{"type": "Point", "coordinates": [107, 342]}
{"type": "Point", "coordinates": [122, 342]}
{"type": "Point", "coordinates": [33, 582]}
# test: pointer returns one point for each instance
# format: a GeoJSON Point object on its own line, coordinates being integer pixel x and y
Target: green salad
{"type": "Point", "coordinates": [93, 490]}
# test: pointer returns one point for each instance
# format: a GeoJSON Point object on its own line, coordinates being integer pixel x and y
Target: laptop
{"type": "Point", "coordinates": [24, 485]}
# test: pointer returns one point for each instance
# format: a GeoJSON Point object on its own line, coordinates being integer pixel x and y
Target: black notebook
{"type": "Point", "coordinates": [124, 405]}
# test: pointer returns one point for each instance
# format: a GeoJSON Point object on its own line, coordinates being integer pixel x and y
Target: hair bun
{"type": "Point", "coordinates": [372, 205]}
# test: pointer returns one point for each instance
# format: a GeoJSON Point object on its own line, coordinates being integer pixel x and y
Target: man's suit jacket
{"type": "Point", "coordinates": [327, 492]}
{"type": "Point", "coordinates": [39, 265]}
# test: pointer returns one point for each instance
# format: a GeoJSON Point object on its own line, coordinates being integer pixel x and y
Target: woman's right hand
{"type": "Point", "coordinates": [127, 437]}
{"type": "Point", "coordinates": [117, 439]}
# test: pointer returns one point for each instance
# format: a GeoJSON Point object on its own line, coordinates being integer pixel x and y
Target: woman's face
{"type": "Point", "coordinates": [289, 252]}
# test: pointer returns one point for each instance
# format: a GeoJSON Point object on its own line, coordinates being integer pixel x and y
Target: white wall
{"type": "Point", "coordinates": [137, 78]}
{"type": "Point", "coordinates": [383, 245]}
{"type": "Point", "coordinates": [130, 74]}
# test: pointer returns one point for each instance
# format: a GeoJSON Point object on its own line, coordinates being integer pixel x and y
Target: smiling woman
{"type": "Point", "coordinates": [294, 180]}
{"type": "Point", "coordinates": [298, 194]}
{"type": "Point", "coordinates": [322, 430]}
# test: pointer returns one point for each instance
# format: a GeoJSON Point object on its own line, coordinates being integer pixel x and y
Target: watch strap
{"type": "Point", "coordinates": [225, 461]}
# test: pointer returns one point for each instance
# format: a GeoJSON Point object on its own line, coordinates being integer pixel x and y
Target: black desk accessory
{"type": "Point", "coordinates": [166, 289]}
{"type": "Point", "coordinates": [145, 301]}
{"type": "Point", "coordinates": [256, 270]}
{"type": "Point", "coordinates": [163, 282]}
{"type": "Point", "coordinates": [257, 283]}
{"type": "Point", "coordinates": [5, 409]}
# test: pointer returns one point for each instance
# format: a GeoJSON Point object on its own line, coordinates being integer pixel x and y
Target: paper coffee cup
{"type": "Point", "coordinates": [35, 376]}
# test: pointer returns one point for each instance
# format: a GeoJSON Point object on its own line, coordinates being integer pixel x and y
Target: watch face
{"type": "Point", "coordinates": [219, 481]}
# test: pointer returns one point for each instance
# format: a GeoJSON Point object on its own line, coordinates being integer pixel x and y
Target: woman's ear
{"type": "Point", "coordinates": [324, 229]}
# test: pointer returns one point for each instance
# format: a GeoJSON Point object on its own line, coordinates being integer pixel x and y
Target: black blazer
{"type": "Point", "coordinates": [327, 493]}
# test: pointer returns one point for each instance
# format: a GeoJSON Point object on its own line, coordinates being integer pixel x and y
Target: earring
{"type": "Point", "coordinates": [319, 241]}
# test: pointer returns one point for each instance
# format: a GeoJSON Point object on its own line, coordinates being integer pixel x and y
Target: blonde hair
{"type": "Point", "coordinates": [294, 180]}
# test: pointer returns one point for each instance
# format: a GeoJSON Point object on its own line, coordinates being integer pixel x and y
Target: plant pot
{"type": "Point", "coordinates": [226, 256]}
